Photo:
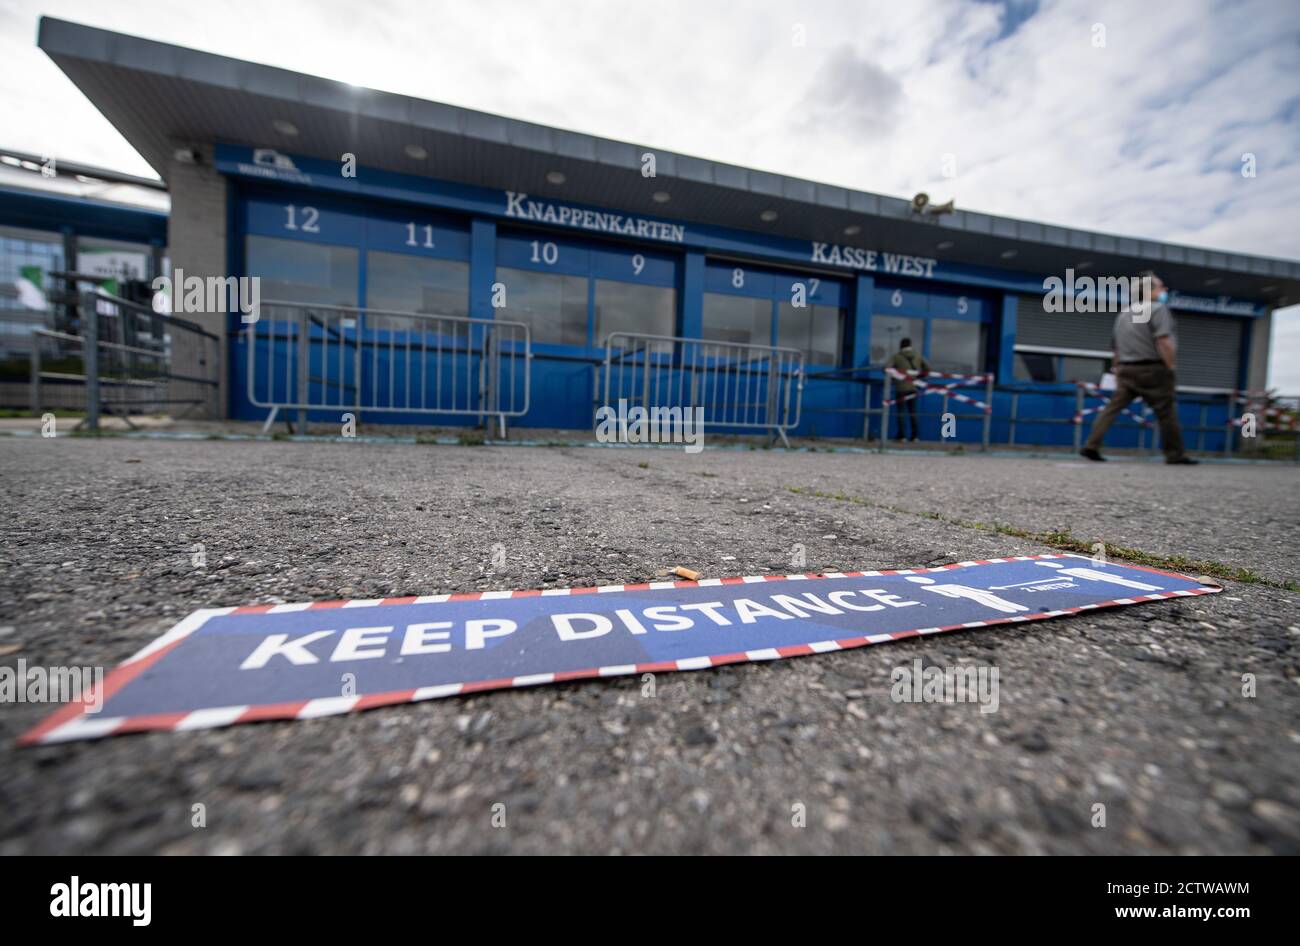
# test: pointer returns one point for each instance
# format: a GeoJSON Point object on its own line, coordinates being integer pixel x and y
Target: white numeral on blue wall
{"type": "Point", "coordinates": [310, 219]}
{"type": "Point", "coordinates": [428, 236]}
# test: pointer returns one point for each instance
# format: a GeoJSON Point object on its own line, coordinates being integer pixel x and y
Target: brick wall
{"type": "Point", "coordinates": [196, 238]}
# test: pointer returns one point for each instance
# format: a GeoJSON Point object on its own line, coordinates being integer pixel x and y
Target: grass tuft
{"type": "Point", "coordinates": [1066, 541]}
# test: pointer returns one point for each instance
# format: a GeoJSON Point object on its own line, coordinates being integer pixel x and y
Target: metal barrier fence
{"type": "Point", "coordinates": [946, 391]}
{"type": "Point", "coordinates": [1083, 390]}
{"type": "Point", "coordinates": [1276, 417]}
{"type": "Point", "coordinates": [734, 385]}
{"type": "Point", "coordinates": [1261, 422]}
{"type": "Point", "coordinates": [305, 358]}
{"type": "Point", "coordinates": [124, 360]}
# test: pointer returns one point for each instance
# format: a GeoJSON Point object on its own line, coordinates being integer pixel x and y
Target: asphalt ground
{"type": "Point", "coordinates": [1139, 709]}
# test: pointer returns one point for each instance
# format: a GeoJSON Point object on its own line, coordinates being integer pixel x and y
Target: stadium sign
{"type": "Point", "coordinates": [1220, 305]}
{"type": "Point", "coordinates": [519, 207]}
{"type": "Point", "coordinates": [873, 261]}
{"type": "Point", "coordinates": [298, 661]}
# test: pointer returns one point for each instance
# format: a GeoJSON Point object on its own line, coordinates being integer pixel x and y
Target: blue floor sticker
{"type": "Point", "coordinates": [296, 661]}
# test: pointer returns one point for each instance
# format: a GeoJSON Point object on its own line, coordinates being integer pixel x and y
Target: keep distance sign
{"type": "Point", "coordinates": [224, 666]}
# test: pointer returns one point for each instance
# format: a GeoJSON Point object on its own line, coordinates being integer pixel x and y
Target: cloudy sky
{"type": "Point", "coordinates": [1144, 135]}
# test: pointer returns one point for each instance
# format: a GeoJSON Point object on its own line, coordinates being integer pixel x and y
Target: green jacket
{"type": "Point", "coordinates": [907, 359]}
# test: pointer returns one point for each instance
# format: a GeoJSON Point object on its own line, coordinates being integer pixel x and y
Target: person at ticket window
{"type": "Point", "coordinates": [908, 362]}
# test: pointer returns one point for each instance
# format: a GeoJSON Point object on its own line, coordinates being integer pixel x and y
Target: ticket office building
{"type": "Point", "coordinates": [573, 287]}
{"type": "Point", "coordinates": [443, 204]}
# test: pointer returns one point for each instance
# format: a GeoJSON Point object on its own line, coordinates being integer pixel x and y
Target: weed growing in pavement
{"type": "Point", "coordinates": [1066, 541]}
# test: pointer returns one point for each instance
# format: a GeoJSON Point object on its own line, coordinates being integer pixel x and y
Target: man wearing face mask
{"type": "Point", "coordinates": [1145, 351]}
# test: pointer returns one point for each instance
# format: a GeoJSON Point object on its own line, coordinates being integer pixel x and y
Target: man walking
{"type": "Point", "coordinates": [908, 362]}
{"type": "Point", "coordinates": [1145, 352]}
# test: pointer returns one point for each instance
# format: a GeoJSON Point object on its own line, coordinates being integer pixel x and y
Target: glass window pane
{"type": "Point", "coordinates": [887, 331]}
{"type": "Point", "coordinates": [1032, 366]}
{"type": "Point", "coordinates": [737, 319]}
{"type": "Point", "coordinates": [627, 307]}
{"type": "Point", "coordinates": [553, 306]}
{"type": "Point", "coordinates": [956, 346]}
{"type": "Point", "coordinates": [405, 283]}
{"type": "Point", "coordinates": [303, 272]}
{"type": "Point", "coordinates": [1082, 369]}
{"type": "Point", "coordinates": [815, 330]}
{"type": "Point", "coordinates": [26, 259]}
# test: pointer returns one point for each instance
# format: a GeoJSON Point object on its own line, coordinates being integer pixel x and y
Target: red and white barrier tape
{"type": "Point", "coordinates": [1094, 391]}
{"type": "Point", "coordinates": [941, 389]}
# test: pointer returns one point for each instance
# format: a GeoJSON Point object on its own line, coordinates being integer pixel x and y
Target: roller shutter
{"type": "Point", "coordinates": [1209, 346]}
{"type": "Point", "coordinates": [1086, 330]}
{"type": "Point", "coordinates": [1209, 349]}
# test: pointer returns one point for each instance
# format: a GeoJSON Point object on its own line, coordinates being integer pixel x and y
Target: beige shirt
{"type": "Point", "coordinates": [1136, 341]}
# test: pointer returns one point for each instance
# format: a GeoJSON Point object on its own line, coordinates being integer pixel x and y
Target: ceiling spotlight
{"type": "Point", "coordinates": [1268, 288]}
{"type": "Point", "coordinates": [852, 230]}
{"type": "Point", "coordinates": [661, 197]}
{"type": "Point", "coordinates": [285, 127]}
{"type": "Point", "coordinates": [556, 177]}
{"type": "Point", "coordinates": [1213, 281]}
{"type": "Point", "coordinates": [1009, 254]}
{"type": "Point", "coordinates": [1084, 264]}
{"type": "Point", "coordinates": [945, 245]}
{"type": "Point", "coordinates": [767, 216]}
{"type": "Point", "coordinates": [415, 151]}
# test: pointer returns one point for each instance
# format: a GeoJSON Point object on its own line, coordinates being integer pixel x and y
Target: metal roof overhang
{"type": "Point", "coordinates": [158, 96]}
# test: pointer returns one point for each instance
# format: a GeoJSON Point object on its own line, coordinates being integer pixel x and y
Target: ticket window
{"type": "Point", "coordinates": [755, 306]}
{"type": "Point", "coordinates": [888, 332]}
{"type": "Point", "coordinates": [815, 330]}
{"type": "Point", "coordinates": [552, 305]}
{"type": "Point", "coordinates": [292, 271]}
{"type": "Point", "coordinates": [956, 346]}
{"type": "Point", "coordinates": [635, 309]}
{"type": "Point", "coordinates": [737, 319]}
{"type": "Point", "coordinates": [401, 283]}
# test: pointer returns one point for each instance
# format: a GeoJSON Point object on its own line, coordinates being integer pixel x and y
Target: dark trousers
{"type": "Point", "coordinates": [1155, 385]}
{"type": "Point", "coordinates": [910, 407]}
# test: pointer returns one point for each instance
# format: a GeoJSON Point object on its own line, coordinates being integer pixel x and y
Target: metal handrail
{"type": "Point", "coordinates": [124, 371]}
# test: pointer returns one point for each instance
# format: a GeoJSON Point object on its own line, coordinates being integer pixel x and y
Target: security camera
{"type": "Point", "coordinates": [186, 156]}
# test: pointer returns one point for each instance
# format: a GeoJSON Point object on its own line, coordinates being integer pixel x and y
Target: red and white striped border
{"type": "Point", "coordinates": [71, 723]}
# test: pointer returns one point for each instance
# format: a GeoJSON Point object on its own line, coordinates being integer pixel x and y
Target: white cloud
{"type": "Point", "coordinates": [1144, 136]}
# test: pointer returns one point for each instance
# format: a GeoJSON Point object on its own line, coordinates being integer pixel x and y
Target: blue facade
{"type": "Point", "coordinates": [76, 216]}
{"type": "Point", "coordinates": [370, 230]}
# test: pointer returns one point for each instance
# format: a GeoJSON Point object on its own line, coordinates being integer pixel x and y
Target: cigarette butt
{"type": "Point", "coordinates": [686, 573]}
